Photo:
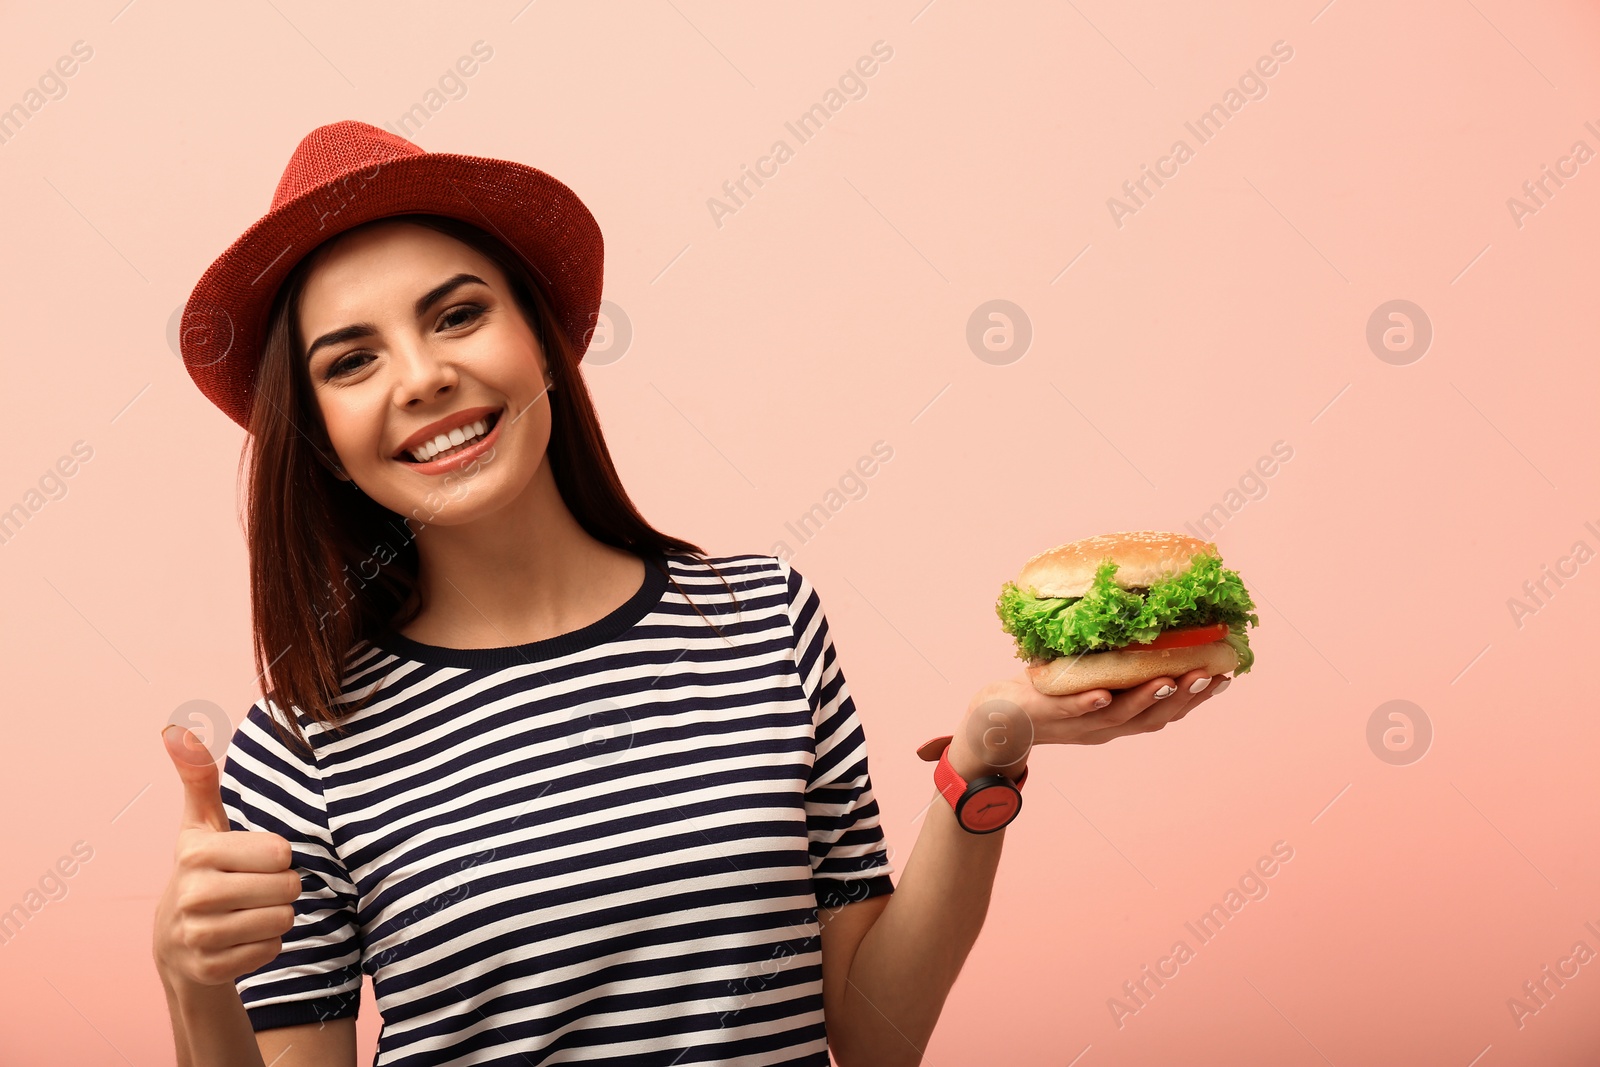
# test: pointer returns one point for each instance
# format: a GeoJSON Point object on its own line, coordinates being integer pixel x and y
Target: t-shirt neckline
{"type": "Point", "coordinates": [609, 626]}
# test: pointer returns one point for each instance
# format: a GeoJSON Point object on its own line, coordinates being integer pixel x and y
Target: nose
{"type": "Point", "coordinates": [421, 374]}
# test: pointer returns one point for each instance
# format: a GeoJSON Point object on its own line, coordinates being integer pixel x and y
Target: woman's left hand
{"type": "Point", "coordinates": [1007, 718]}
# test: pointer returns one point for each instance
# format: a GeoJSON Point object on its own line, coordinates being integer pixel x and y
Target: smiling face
{"type": "Point", "coordinates": [416, 347]}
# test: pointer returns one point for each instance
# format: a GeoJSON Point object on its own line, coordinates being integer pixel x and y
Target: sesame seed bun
{"type": "Point", "coordinates": [1142, 557]}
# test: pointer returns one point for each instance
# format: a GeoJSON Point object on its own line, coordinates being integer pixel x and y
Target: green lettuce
{"type": "Point", "coordinates": [1108, 616]}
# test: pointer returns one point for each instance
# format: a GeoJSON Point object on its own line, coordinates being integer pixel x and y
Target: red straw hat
{"type": "Point", "coordinates": [347, 173]}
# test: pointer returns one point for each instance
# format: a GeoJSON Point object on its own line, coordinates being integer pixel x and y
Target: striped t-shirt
{"type": "Point", "coordinates": [610, 846]}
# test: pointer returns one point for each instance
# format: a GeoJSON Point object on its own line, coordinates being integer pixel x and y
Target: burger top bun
{"type": "Point", "coordinates": [1142, 556]}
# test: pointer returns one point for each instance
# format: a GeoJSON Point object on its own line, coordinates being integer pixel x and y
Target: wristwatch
{"type": "Point", "coordinates": [983, 805]}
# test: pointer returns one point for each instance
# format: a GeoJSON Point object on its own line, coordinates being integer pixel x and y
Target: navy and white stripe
{"type": "Point", "coordinates": [608, 847]}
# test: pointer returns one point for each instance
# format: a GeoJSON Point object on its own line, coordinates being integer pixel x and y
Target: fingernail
{"type": "Point", "coordinates": [1102, 702]}
{"type": "Point", "coordinates": [1222, 684]}
{"type": "Point", "coordinates": [165, 728]}
{"type": "Point", "coordinates": [1199, 684]}
{"type": "Point", "coordinates": [1165, 691]}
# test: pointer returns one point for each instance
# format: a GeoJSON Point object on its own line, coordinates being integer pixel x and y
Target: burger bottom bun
{"type": "Point", "coordinates": [1122, 669]}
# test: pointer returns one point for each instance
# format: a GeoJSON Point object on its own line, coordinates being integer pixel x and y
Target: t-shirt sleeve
{"type": "Point", "coordinates": [849, 854]}
{"type": "Point", "coordinates": [267, 784]}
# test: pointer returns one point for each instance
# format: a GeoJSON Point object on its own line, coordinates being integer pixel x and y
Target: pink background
{"type": "Point", "coordinates": [831, 311]}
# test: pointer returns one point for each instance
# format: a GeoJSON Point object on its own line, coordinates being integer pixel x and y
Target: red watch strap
{"type": "Point", "coordinates": [948, 780]}
{"type": "Point", "coordinates": [936, 749]}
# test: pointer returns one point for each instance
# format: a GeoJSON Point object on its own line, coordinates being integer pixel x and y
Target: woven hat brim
{"type": "Point", "coordinates": [224, 320]}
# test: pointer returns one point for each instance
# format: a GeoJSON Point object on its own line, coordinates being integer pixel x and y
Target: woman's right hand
{"type": "Point", "coordinates": [231, 896]}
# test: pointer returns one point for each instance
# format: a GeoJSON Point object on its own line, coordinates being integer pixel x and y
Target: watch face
{"type": "Point", "coordinates": [989, 807]}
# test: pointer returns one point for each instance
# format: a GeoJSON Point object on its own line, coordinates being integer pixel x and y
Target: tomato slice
{"type": "Point", "coordinates": [1183, 638]}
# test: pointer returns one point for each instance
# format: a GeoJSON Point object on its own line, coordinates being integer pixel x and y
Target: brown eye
{"type": "Point", "coordinates": [472, 311]}
{"type": "Point", "coordinates": [346, 363]}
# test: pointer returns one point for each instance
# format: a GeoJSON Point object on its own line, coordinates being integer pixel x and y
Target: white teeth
{"type": "Point", "coordinates": [444, 442]}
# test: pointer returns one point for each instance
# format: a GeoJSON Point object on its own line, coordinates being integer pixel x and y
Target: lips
{"type": "Point", "coordinates": [442, 427]}
{"type": "Point", "coordinates": [465, 456]}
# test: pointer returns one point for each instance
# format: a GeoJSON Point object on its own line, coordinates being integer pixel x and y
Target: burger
{"type": "Point", "coordinates": [1116, 610]}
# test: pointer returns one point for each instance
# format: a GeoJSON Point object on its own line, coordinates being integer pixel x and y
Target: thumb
{"type": "Point", "coordinates": [202, 789]}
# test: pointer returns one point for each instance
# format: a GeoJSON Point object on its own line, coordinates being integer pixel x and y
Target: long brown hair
{"type": "Point", "coordinates": [330, 566]}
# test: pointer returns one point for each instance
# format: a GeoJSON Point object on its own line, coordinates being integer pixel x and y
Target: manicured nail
{"type": "Point", "coordinates": [1165, 691]}
{"type": "Point", "coordinates": [1199, 684]}
{"type": "Point", "coordinates": [1222, 683]}
{"type": "Point", "coordinates": [1102, 702]}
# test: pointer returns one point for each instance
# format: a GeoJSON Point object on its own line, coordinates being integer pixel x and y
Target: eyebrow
{"type": "Point", "coordinates": [367, 329]}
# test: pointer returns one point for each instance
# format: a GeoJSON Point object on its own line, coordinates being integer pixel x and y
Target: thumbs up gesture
{"type": "Point", "coordinates": [231, 896]}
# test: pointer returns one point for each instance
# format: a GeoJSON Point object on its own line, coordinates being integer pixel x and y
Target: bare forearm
{"type": "Point", "coordinates": [180, 1040]}
{"type": "Point", "coordinates": [907, 963]}
{"type": "Point", "coordinates": [210, 1027]}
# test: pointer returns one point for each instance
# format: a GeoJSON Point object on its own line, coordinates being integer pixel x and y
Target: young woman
{"type": "Point", "coordinates": [566, 788]}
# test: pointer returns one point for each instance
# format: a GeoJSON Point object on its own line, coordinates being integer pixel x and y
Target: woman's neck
{"type": "Point", "coordinates": [524, 574]}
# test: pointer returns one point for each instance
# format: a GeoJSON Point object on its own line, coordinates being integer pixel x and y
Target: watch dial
{"type": "Point", "coordinates": [989, 809]}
